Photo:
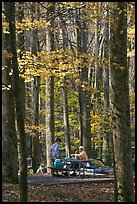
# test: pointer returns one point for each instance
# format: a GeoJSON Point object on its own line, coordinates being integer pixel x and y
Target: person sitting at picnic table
{"type": "Point", "coordinates": [80, 155]}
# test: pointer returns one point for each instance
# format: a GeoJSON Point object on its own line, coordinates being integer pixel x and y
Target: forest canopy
{"type": "Point", "coordinates": [64, 21]}
{"type": "Point", "coordinates": [68, 71]}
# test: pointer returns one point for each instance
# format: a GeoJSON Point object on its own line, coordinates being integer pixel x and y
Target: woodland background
{"type": "Point", "coordinates": [68, 70]}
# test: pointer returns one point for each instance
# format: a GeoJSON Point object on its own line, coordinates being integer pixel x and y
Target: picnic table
{"type": "Point", "coordinates": [68, 167]}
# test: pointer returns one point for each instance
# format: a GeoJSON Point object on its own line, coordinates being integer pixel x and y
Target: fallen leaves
{"type": "Point", "coordinates": [82, 192]}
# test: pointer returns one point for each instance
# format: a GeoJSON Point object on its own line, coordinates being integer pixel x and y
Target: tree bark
{"type": "Point", "coordinates": [49, 118]}
{"type": "Point", "coordinates": [19, 105]}
{"type": "Point", "coordinates": [35, 143]}
{"type": "Point", "coordinates": [85, 105]}
{"type": "Point", "coordinates": [65, 96]}
{"type": "Point", "coordinates": [107, 138]}
{"type": "Point", "coordinates": [78, 40]}
{"type": "Point", "coordinates": [50, 127]}
{"type": "Point", "coordinates": [9, 137]}
{"type": "Point", "coordinates": [98, 76]}
{"type": "Point", "coordinates": [98, 71]}
{"type": "Point", "coordinates": [66, 119]}
{"type": "Point", "coordinates": [36, 89]}
{"type": "Point", "coordinates": [124, 191]}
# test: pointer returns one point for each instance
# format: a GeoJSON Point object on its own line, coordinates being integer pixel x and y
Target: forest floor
{"type": "Point", "coordinates": [44, 188]}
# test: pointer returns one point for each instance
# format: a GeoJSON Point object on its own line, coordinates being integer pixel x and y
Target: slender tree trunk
{"type": "Point", "coordinates": [85, 95]}
{"type": "Point", "coordinates": [21, 47]}
{"type": "Point", "coordinates": [80, 117]}
{"type": "Point", "coordinates": [29, 112]}
{"type": "Point", "coordinates": [9, 137]}
{"type": "Point", "coordinates": [50, 95]}
{"type": "Point", "coordinates": [79, 87]}
{"type": "Point", "coordinates": [66, 119]}
{"type": "Point", "coordinates": [35, 143]}
{"type": "Point", "coordinates": [98, 74]}
{"type": "Point", "coordinates": [97, 67]}
{"type": "Point", "coordinates": [106, 68]}
{"type": "Point", "coordinates": [65, 97]}
{"type": "Point", "coordinates": [107, 139]}
{"type": "Point", "coordinates": [19, 105]}
{"type": "Point", "coordinates": [124, 191]}
{"type": "Point", "coordinates": [49, 118]}
{"type": "Point", "coordinates": [35, 139]}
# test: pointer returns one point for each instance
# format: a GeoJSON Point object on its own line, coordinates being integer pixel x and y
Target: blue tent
{"type": "Point", "coordinates": [99, 167]}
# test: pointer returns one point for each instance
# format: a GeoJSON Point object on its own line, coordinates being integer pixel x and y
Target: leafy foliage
{"type": "Point", "coordinates": [68, 62]}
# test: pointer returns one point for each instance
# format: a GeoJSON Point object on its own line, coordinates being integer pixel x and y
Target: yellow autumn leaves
{"type": "Point", "coordinates": [57, 63]}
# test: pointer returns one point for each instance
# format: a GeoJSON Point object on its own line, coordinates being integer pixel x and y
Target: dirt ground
{"type": "Point", "coordinates": [76, 192]}
{"type": "Point", "coordinates": [43, 188]}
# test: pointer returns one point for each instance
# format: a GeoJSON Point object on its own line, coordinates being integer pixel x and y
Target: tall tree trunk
{"type": "Point", "coordinates": [19, 105]}
{"type": "Point", "coordinates": [9, 137]}
{"type": "Point", "coordinates": [50, 95]}
{"type": "Point", "coordinates": [98, 71]}
{"type": "Point", "coordinates": [124, 191]}
{"type": "Point", "coordinates": [65, 97]}
{"type": "Point", "coordinates": [106, 58]}
{"type": "Point", "coordinates": [35, 139]}
{"type": "Point", "coordinates": [83, 93]}
{"type": "Point", "coordinates": [66, 119]}
{"type": "Point", "coordinates": [49, 118]}
{"type": "Point", "coordinates": [21, 47]}
{"type": "Point", "coordinates": [78, 40]}
{"type": "Point", "coordinates": [80, 116]}
{"type": "Point", "coordinates": [98, 74]}
{"type": "Point", "coordinates": [107, 138]}
{"type": "Point", "coordinates": [35, 142]}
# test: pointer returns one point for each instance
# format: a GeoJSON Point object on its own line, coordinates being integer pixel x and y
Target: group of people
{"type": "Point", "coordinates": [55, 152]}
